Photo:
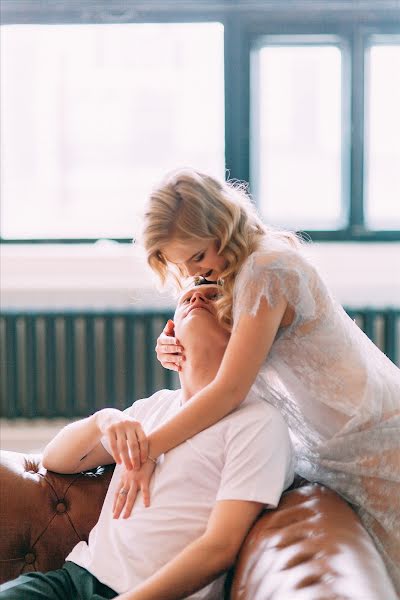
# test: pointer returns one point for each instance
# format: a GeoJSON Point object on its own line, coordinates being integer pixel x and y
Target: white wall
{"type": "Point", "coordinates": [112, 275]}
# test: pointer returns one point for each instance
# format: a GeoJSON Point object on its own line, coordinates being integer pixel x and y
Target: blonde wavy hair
{"type": "Point", "coordinates": [190, 205]}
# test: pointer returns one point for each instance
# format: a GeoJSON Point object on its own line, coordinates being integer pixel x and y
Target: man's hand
{"type": "Point", "coordinates": [129, 444]}
{"type": "Point", "coordinates": [131, 482]}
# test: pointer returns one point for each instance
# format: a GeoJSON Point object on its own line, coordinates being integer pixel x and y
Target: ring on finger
{"type": "Point", "coordinates": [124, 492]}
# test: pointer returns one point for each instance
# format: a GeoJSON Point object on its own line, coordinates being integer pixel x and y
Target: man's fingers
{"type": "Point", "coordinates": [116, 498]}
{"type": "Point", "coordinates": [145, 494]}
{"type": "Point", "coordinates": [119, 504]}
{"type": "Point", "coordinates": [130, 501]}
{"type": "Point", "coordinates": [125, 501]}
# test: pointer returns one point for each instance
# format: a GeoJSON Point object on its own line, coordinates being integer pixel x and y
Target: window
{"type": "Point", "coordinates": [296, 140]}
{"type": "Point", "coordinates": [94, 114]}
{"type": "Point", "coordinates": [382, 176]}
{"type": "Point", "coordinates": [302, 102]}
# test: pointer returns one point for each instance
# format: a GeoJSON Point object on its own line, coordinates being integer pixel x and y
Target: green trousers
{"type": "Point", "coordinates": [68, 583]}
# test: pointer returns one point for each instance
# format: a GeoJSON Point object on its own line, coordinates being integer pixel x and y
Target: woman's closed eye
{"type": "Point", "coordinates": [199, 257]}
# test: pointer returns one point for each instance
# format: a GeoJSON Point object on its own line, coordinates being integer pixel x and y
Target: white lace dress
{"type": "Point", "coordinates": [339, 393]}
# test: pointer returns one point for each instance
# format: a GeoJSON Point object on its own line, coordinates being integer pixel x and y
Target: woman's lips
{"type": "Point", "coordinates": [205, 275]}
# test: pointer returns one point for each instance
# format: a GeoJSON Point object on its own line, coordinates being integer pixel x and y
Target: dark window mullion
{"type": "Point", "coordinates": [237, 98]}
{"type": "Point", "coordinates": [357, 134]}
{"type": "Point", "coordinates": [346, 177]}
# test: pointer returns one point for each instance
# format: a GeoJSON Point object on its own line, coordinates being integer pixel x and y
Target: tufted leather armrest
{"type": "Point", "coordinates": [44, 514]}
{"type": "Point", "coordinates": [312, 547]}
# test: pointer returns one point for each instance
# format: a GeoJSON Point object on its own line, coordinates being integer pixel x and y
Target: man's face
{"type": "Point", "coordinates": [196, 311]}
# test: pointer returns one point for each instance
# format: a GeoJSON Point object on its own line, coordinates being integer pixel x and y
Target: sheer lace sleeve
{"type": "Point", "coordinates": [273, 274]}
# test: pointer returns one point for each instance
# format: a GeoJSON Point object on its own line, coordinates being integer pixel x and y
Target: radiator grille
{"type": "Point", "coordinates": [73, 363]}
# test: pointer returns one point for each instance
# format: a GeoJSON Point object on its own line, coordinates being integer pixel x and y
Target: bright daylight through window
{"type": "Point", "coordinates": [93, 115]}
{"type": "Point", "coordinates": [297, 135]}
{"type": "Point", "coordinates": [382, 175]}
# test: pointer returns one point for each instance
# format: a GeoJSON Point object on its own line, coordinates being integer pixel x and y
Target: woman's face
{"type": "Point", "coordinates": [196, 257]}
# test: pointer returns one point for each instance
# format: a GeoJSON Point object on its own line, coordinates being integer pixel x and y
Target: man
{"type": "Point", "coordinates": [205, 494]}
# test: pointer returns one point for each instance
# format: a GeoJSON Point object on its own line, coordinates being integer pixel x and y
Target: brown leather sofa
{"type": "Point", "coordinates": [312, 547]}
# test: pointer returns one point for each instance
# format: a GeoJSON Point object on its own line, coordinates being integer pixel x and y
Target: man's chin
{"type": "Point", "coordinates": [199, 311]}
{"type": "Point", "coordinates": [199, 320]}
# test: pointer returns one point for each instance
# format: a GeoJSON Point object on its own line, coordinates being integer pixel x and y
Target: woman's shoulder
{"type": "Point", "coordinates": [274, 270]}
{"type": "Point", "coordinates": [273, 254]}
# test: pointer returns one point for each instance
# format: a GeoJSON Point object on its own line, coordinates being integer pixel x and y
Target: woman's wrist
{"type": "Point", "coordinates": [154, 451]}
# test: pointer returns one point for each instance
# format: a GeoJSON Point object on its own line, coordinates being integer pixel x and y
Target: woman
{"type": "Point", "coordinates": [290, 339]}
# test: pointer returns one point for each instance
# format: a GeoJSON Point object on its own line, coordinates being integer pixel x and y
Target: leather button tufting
{"type": "Point", "coordinates": [30, 558]}
{"type": "Point", "coordinates": [61, 508]}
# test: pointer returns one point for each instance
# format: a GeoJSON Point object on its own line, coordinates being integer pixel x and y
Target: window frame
{"type": "Point", "coordinates": [352, 21]}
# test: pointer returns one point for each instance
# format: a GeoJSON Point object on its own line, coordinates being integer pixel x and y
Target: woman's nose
{"type": "Point", "coordinates": [191, 270]}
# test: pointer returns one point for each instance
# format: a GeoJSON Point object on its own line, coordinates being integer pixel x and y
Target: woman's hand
{"type": "Point", "coordinates": [169, 350]}
{"type": "Point", "coordinates": [131, 482]}
{"type": "Point", "coordinates": [129, 443]}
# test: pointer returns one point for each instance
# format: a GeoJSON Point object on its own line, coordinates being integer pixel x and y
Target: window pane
{"type": "Point", "coordinates": [383, 138]}
{"type": "Point", "coordinates": [94, 115]}
{"type": "Point", "coordinates": [296, 128]}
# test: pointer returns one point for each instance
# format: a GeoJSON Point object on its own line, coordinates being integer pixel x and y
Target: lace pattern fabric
{"type": "Point", "coordinates": [339, 394]}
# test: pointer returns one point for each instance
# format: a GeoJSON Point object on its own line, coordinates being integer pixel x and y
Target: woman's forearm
{"type": "Point", "coordinates": [206, 408]}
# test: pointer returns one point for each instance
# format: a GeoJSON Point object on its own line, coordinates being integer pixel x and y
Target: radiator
{"type": "Point", "coordinates": [74, 363]}
{"type": "Point", "coordinates": [70, 364]}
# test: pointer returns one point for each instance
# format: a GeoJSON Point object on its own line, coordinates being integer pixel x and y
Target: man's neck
{"type": "Point", "coordinates": [200, 367]}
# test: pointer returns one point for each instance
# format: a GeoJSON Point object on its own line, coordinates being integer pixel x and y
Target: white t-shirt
{"type": "Point", "coordinates": [245, 456]}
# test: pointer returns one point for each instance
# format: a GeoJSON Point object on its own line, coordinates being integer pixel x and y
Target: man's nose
{"type": "Point", "coordinates": [197, 296]}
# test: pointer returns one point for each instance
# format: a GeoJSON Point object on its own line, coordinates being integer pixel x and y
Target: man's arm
{"type": "Point", "coordinates": [204, 559]}
{"type": "Point", "coordinates": [77, 447]}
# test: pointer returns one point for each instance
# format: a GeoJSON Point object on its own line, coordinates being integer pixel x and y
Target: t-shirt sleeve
{"type": "Point", "coordinates": [273, 275]}
{"type": "Point", "coordinates": [259, 462]}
